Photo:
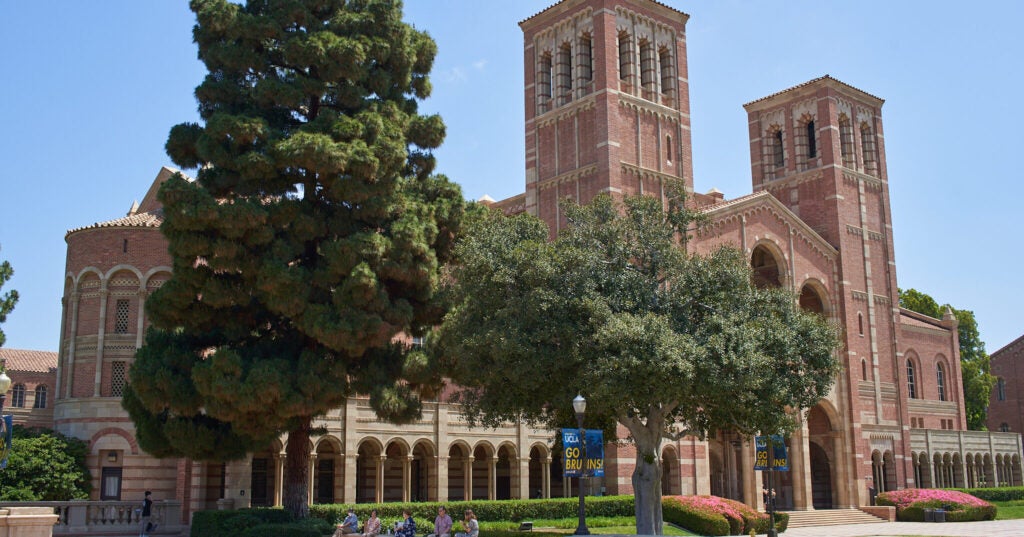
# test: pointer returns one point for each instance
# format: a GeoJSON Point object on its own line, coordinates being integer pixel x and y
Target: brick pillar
{"type": "Point", "coordinates": [442, 479]}
{"type": "Point", "coordinates": [100, 334]}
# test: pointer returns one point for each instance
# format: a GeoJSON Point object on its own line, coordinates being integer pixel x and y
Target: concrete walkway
{"type": "Point", "coordinates": [993, 528]}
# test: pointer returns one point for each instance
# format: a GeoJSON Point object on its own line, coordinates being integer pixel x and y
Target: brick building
{"type": "Point", "coordinates": [607, 110]}
{"type": "Point", "coordinates": [1006, 405]}
{"type": "Point", "coordinates": [33, 378]}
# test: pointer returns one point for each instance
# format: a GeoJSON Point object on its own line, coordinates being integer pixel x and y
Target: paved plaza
{"type": "Point", "coordinates": [993, 528]}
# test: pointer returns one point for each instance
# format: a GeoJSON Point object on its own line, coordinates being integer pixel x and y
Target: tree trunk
{"type": "Point", "coordinates": [296, 471]}
{"type": "Point", "coordinates": [647, 488]}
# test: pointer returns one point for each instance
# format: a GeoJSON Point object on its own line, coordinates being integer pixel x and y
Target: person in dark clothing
{"type": "Point", "coordinates": [147, 514]}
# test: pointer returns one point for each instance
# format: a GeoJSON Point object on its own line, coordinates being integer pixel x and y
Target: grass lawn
{"type": "Point", "coordinates": [1009, 510]}
{"type": "Point", "coordinates": [566, 526]}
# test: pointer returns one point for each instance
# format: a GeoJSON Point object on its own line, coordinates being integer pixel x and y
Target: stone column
{"type": "Point", "coordinates": [312, 476]}
{"type": "Point", "coordinates": [492, 478]}
{"type": "Point", "coordinates": [840, 479]}
{"type": "Point", "coordinates": [140, 321]}
{"type": "Point", "coordinates": [379, 481]}
{"type": "Point", "coordinates": [100, 336]}
{"type": "Point", "coordinates": [442, 479]}
{"type": "Point", "coordinates": [524, 478]}
{"type": "Point", "coordinates": [545, 477]}
{"type": "Point", "coordinates": [749, 482]}
{"type": "Point", "coordinates": [348, 492]}
{"type": "Point", "coordinates": [800, 468]}
{"type": "Point", "coordinates": [72, 340]}
{"type": "Point", "coordinates": [407, 478]}
{"type": "Point", "coordinates": [467, 478]}
{"type": "Point", "coordinates": [278, 478]}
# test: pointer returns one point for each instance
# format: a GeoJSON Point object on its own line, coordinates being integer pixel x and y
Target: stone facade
{"type": "Point", "coordinates": [607, 110]}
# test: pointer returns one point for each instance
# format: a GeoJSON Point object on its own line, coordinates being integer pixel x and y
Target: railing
{"type": "Point", "coordinates": [83, 518]}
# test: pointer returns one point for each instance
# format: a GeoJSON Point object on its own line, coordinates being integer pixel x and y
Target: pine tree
{"type": "Point", "coordinates": [311, 239]}
{"type": "Point", "coordinates": [8, 300]}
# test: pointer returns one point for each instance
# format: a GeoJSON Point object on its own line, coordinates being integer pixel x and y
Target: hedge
{"type": "Point", "coordinates": [230, 523]}
{"type": "Point", "coordinates": [485, 510]}
{"type": "Point", "coordinates": [711, 515]}
{"type": "Point", "coordinates": [959, 506]}
{"type": "Point", "coordinates": [995, 494]}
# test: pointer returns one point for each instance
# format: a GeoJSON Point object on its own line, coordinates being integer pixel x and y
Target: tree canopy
{"type": "Point", "coordinates": [8, 300]}
{"type": "Point", "coordinates": [45, 465]}
{"type": "Point", "coordinates": [660, 342]}
{"type": "Point", "coordinates": [311, 239]}
{"type": "Point", "coordinates": [975, 365]}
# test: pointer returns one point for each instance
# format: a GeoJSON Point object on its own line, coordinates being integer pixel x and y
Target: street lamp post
{"type": "Point", "coordinates": [772, 532]}
{"type": "Point", "coordinates": [5, 384]}
{"type": "Point", "coordinates": [579, 404]}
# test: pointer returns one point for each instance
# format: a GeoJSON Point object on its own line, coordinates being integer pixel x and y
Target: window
{"type": "Point", "coordinates": [117, 378]}
{"type": "Point", "coordinates": [812, 144]}
{"type": "Point", "coordinates": [124, 247]}
{"type": "Point", "coordinates": [667, 71]}
{"type": "Point", "coordinates": [625, 56]}
{"type": "Point", "coordinates": [1004, 427]}
{"type": "Point", "coordinates": [18, 396]}
{"type": "Point", "coordinates": [544, 82]}
{"type": "Point", "coordinates": [668, 149]}
{"type": "Point", "coordinates": [867, 142]}
{"type": "Point", "coordinates": [860, 323]}
{"type": "Point", "coordinates": [110, 484]}
{"type": "Point", "coordinates": [863, 368]}
{"type": "Point", "coordinates": [40, 397]}
{"type": "Point", "coordinates": [647, 67]}
{"type": "Point", "coordinates": [846, 141]}
{"type": "Point", "coordinates": [121, 317]}
{"type": "Point", "coordinates": [1001, 389]}
{"type": "Point", "coordinates": [778, 155]}
{"type": "Point", "coordinates": [911, 382]}
{"type": "Point", "coordinates": [585, 60]}
{"type": "Point", "coordinates": [563, 74]}
{"type": "Point", "coordinates": [940, 379]}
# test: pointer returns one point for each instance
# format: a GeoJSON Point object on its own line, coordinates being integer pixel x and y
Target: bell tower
{"type": "Point", "coordinates": [606, 100]}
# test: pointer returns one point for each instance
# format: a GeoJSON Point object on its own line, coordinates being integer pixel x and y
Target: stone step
{"type": "Point", "coordinates": [830, 517]}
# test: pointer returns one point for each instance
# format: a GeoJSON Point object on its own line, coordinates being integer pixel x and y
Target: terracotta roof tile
{"type": "Point", "coordinates": [29, 361]}
{"type": "Point", "coordinates": [808, 83]}
{"type": "Point", "coordinates": [537, 14]}
{"type": "Point", "coordinates": [151, 219]}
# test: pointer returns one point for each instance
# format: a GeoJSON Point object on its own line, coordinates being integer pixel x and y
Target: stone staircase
{"type": "Point", "coordinates": [830, 517]}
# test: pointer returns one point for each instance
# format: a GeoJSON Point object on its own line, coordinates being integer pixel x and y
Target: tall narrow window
{"type": "Point", "coordinates": [669, 153]}
{"type": "Point", "coordinates": [863, 369]}
{"type": "Point", "coordinates": [40, 401]}
{"type": "Point", "coordinates": [777, 152]}
{"type": "Point", "coordinates": [812, 144]}
{"type": "Point", "coordinates": [544, 82]}
{"type": "Point", "coordinates": [940, 380]}
{"type": "Point", "coordinates": [585, 60]}
{"type": "Point", "coordinates": [647, 66]}
{"type": "Point", "coordinates": [846, 141]}
{"type": "Point", "coordinates": [1001, 389]}
{"type": "Point", "coordinates": [668, 71]}
{"type": "Point", "coordinates": [117, 378]}
{"type": "Point", "coordinates": [625, 56]}
{"type": "Point", "coordinates": [563, 74]}
{"type": "Point", "coordinates": [860, 323]}
{"type": "Point", "coordinates": [18, 396]}
{"type": "Point", "coordinates": [911, 380]}
{"type": "Point", "coordinates": [110, 483]}
{"type": "Point", "coordinates": [867, 143]}
{"type": "Point", "coordinates": [121, 317]}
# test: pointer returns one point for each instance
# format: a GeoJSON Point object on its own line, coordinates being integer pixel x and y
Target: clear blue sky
{"type": "Point", "coordinates": [90, 89]}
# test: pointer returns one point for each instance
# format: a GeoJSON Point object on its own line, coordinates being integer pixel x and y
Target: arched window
{"type": "Point", "coordinates": [940, 380]}
{"type": "Point", "coordinates": [18, 396]}
{"type": "Point", "coordinates": [846, 141]}
{"type": "Point", "coordinates": [812, 143]}
{"type": "Point", "coordinates": [40, 401]}
{"type": "Point", "coordinates": [778, 154]}
{"type": "Point", "coordinates": [867, 143]}
{"type": "Point", "coordinates": [563, 74]}
{"type": "Point", "coordinates": [1001, 389]}
{"type": "Point", "coordinates": [544, 83]}
{"type": "Point", "coordinates": [585, 60]}
{"type": "Point", "coordinates": [911, 380]}
{"type": "Point", "coordinates": [625, 56]}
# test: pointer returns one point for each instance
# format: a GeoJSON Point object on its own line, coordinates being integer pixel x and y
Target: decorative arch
{"type": "Point", "coordinates": [86, 271]}
{"type": "Point", "coordinates": [768, 264]}
{"type": "Point", "coordinates": [327, 469]}
{"type": "Point", "coordinates": [95, 445]}
{"type": "Point", "coordinates": [912, 367]}
{"type": "Point", "coordinates": [814, 297]}
{"type": "Point", "coordinates": [118, 268]}
{"type": "Point", "coordinates": [671, 479]}
{"type": "Point", "coordinates": [459, 467]}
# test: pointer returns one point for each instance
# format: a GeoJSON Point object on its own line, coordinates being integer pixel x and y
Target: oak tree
{"type": "Point", "coordinates": [660, 342]}
{"type": "Point", "coordinates": [310, 241]}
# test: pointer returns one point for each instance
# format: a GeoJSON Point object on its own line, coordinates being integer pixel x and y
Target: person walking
{"type": "Point", "coordinates": [147, 515]}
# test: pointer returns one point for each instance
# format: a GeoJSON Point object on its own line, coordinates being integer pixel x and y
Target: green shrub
{"type": "Point", "coordinates": [303, 528]}
{"type": "Point", "coordinates": [236, 522]}
{"type": "Point", "coordinates": [997, 494]}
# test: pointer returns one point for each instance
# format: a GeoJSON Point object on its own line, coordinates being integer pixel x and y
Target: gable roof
{"type": "Point", "coordinates": [29, 361]}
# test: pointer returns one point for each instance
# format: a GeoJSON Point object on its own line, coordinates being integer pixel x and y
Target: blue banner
{"type": "Point", "coordinates": [780, 458]}
{"type": "Point", "coordinates": [6, 436]}
{"type": "Point", "coordinates": [572, 453]}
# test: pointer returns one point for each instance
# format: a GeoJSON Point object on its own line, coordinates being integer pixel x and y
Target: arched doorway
{"type": "Point", "coordinates": [423, 474]}
{"type": "Point", "coordinates": [538, 457]}
{"type": "Point", "coordinates": [671, 482]}
{"type": "Point", "coordinates": [393, 478]}
{"type": "Point", "coordinates": [367, 461]}
{"type": "Point", "coordinates": [458, 463]}
{"type": "Point", "coordinates": [821, 478]}
{"type": "Point", "coordinates": [482, 472]}
{"type": "Point", "coordinates": [505, 473]}
{"type": "Point", "coordinates": [766, 268]}
{"type": "Point", "coordinates": [325, 471]}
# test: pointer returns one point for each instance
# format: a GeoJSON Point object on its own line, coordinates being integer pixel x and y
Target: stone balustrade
{"type": "Point", "coordinates": [100, 518]}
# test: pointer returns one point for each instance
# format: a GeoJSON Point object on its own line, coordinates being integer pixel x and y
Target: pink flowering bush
{"type": "Point", "coordinates": [711, 515]}
{"type": "Point", "coordinates": [960, 507]}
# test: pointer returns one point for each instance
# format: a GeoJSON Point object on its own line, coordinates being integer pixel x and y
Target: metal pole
{"type": "Point", "coordinates": [771, 488]}
{"type": "Point", "coordinates": [582, 528]}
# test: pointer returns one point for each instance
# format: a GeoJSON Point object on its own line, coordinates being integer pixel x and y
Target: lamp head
{"type": "Point", "coordinates": [579, 404]}
{"type": "Point", "coordinates": [5, 382]}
